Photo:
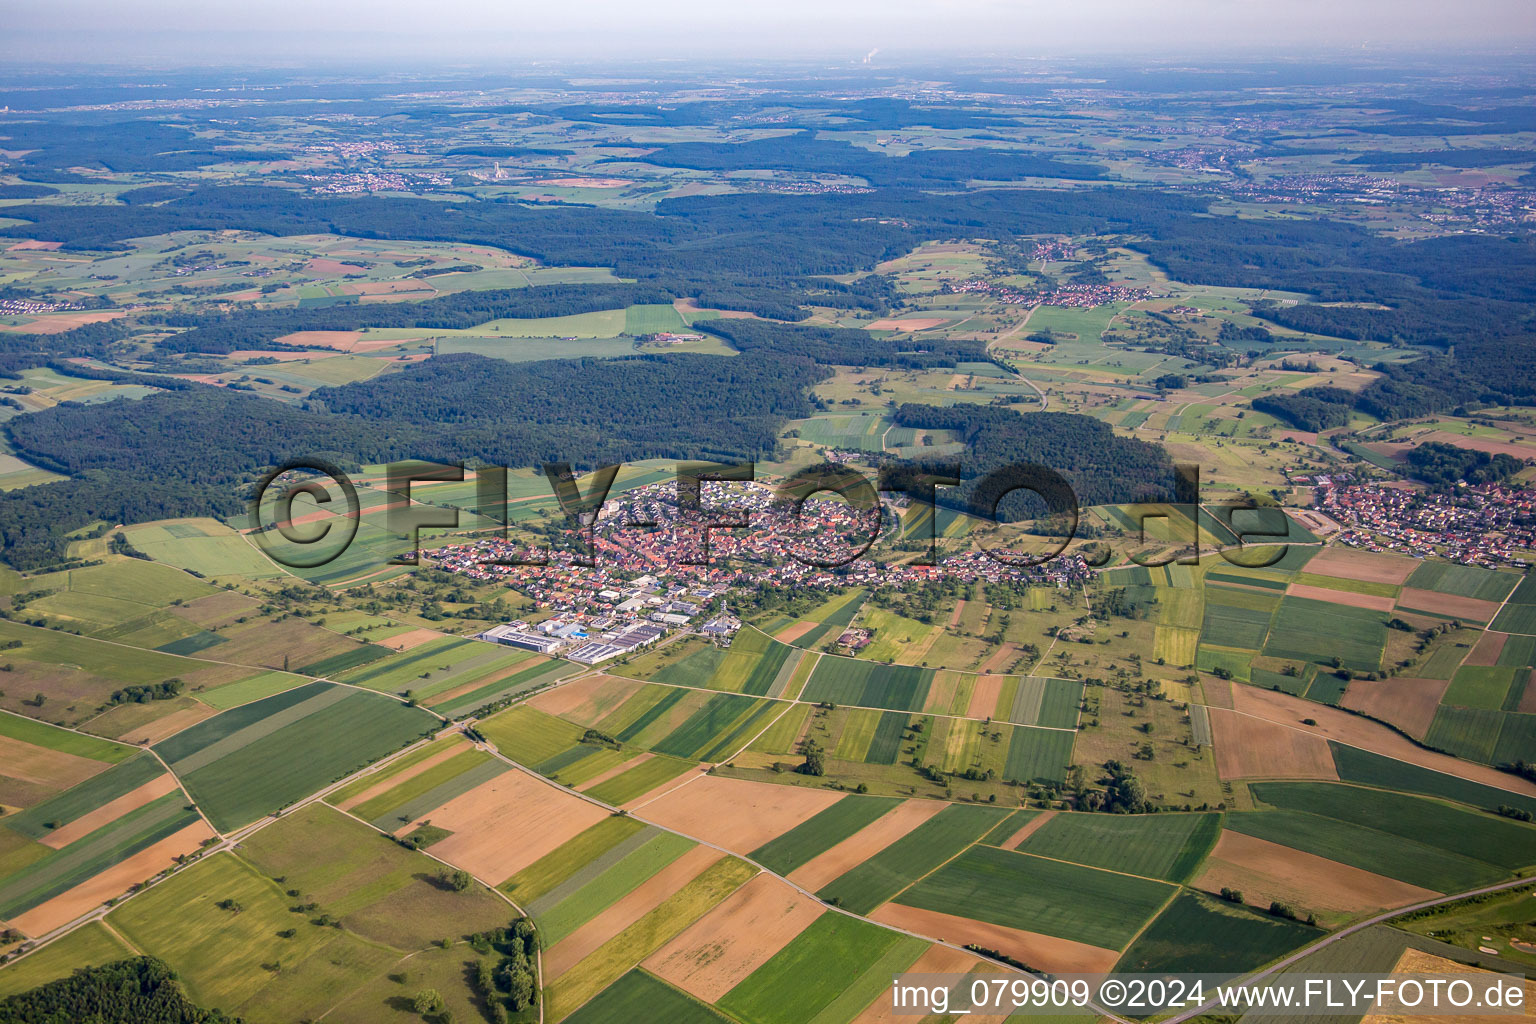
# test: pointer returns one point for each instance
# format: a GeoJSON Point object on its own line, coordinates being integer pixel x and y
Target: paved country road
{"type": "Point", "coordinates": [1329, 940]}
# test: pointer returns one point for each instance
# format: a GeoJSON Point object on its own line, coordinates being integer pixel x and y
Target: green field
{"type": "Point", "coordinates": [821, 832]}
{"type": "Point", "coordinates": [1166, 846]}
{"type": "Point", "coordinates": [557, 918]}
{"type": "Point", "coordinates": [1499, 841]}
{"type": "Point", "coordinates": [1517, 739]}
{"type": "Point", "coordinates": [1308, 630]}
{"type": "Point", "coordinates": [205, 546]}
{"type": "Point", "coordinates": [380, 903]}
{"type": "Point", "coordinates": [1039, 754]}
{"type": "Point", "coordinates": [806, 976]}
{"type": "Point", "coordinates": [716, 730]}
{"type": "Point", "coordinates": [92, 854]}
{"type": "Point", "coordinates": [377, 889]}
{"type": "Point", "coordinates": [634, 719]}
{"type": "Point", "coordinates": [640, 996]}
{"type": "Point", "coordinates": [1198, 934]}
{"type": "Point", "coordinates": [88, 946]}
{"type": "Point", "coordinates": [782, 736]}
{"type": "Point", "coordinates": [1408, 861]}
{"type": "Point", "coordinates": [1519, 613]}
{"type": "Point", "coordinates": [578, 764]}
{"type": "Point", "coordinates": [749, 666]}
{"type": "Point", "coordinates": [395, 767]}
{"type": "Point", "coordinates": [1368, 769]}
{"type": "Point", "coordinates": [1046, 702]}
{"type": "Point", "coordinates": [1235, 618]}
{"type": "Point", "coordinates": [262, 756]}
{"type": "Point", "coordinates": [265, 684]}
{"type": "Point", "coordinates": [1518, 652]}
{"type": "Point", "coordinates": [1463, 580]}
{"type": "Point", "coordinates": [39, 734]}
{"type": "Point", "coordinates": [652, 319]}
{"type": "Point", "coordinates": [1472, 733]}
{"type": "Point", "coordinates": [560, 865]}
{"type": "Point", "coordinates": [1016, 890]}
{"type": "Point", "coordinates": [528, 736]}
{"type": "Point", "coordinates": [1347, 586]}
{"type": "Point", "coordinates": [1516, 618]}
{"type": "Point", "coordinates": [501, 685]}
{"type": "Point", "coordinates": [867, 684]}
{"type": "Point", "coordinates": [1476, 686]}
{"type": "Point", "coordinates": [218, 955]}
{"type": "Point", "coordinates": [435, 666]}
{"type": "Point", "coordinates": [911, 857]}
{"type": "Point", "coordinates": [640, 779]}
{"type": "Point", "coordinates": [696, 668]}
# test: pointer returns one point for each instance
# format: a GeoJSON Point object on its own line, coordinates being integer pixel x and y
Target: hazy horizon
{"type": "Point", "coordinates": [854, 31]}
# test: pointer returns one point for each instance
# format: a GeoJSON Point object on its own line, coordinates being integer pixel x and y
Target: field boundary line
{"type": "Point", "coordinates": [1356, 746]}
{"type": "Point", "coordinates": [538, 946]}
{"type": "Point", "coordinates": [1342, 933]}
{"type": "Point", "coordinates": [1092, 867]}
{"type": "Point", "coordinates": [695, 776]}
{"type": "Point", "coordinates": [763, 870]}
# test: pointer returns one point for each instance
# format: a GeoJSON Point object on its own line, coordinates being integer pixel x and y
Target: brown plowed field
{"type": "Point", "coordinates": [1264, 871]}
{"type": "Point", "coordinates": [1355, 731]}
{"type": "Point", "coordinates": [1045, 952]}
{"type": "Point", "coordinates": [734, 939]}
{"type": "Point", "coordinates": [1355, 564]}
{"type": "Point", "coordinates": [1408, 704]}
{"type": "Point", "coordinates": [502, 826]}
{"type": "Point", "coordinates": [110, 812]}
{"type": "Point", "coordinates": [1252, 748]}
{"type": "Point", "coordinates": [735, 814]}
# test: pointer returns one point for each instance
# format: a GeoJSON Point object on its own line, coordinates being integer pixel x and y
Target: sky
{"type": "Point", "coordinates": [435, 31]}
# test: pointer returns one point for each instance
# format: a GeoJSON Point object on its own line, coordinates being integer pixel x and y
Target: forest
{"type": "Point", "coordinates": [928, 168]}
{"type": "Point", "coordinates": [1314, 409]}
{"type": "Point", "coordinates": [141, 990]}
{"type": "Point", "coordinates": [194, 451]}
{"type": "Point", "coordinates": [768, 254]}
{"type": "Point", "coordinates": [1099, 467]}
{"type": "Point", "coordinates": [1444, 465]}
{"type": "Point", "coordinates": [771, 254]}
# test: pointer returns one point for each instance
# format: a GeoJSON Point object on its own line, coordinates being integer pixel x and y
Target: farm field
{"type": "Point", "coordinates": [911, 857]}
{"type": "Point", "coordinates": [821, 832]}
{"type": "Point", "coordinates": [1165, 846]}
{"type": "Point", "coordinates": [638, 994]}
{"type": "Point", "coordinates": [1196, 932]}
{"type": "Point", "coordinates": [1211, 732]}
{"type": "Point", "coordinates": [1304, 626]}
{"type": "Point", "coordinates": [868, 685]}
{"type": "Point", "coordinates": [88, 946]}
{"type": "Point", "coordinates": [1365, 768]}
{"type": "Point", "coordinates": [239, 765]}
{"type": "Point", "coordinates": [205, 546]}
{"type": "Point", "coordinates": [1020, 891]}
{"type": "Point", "coordinates": [815, 969]}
